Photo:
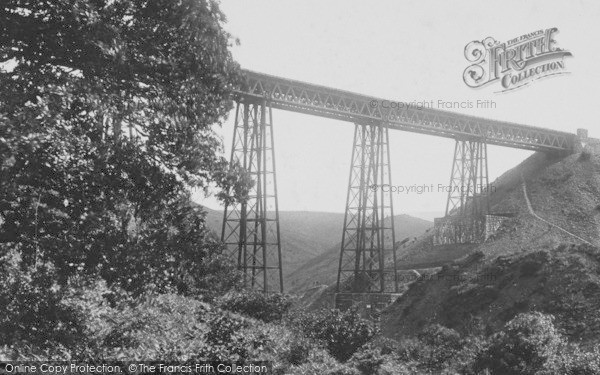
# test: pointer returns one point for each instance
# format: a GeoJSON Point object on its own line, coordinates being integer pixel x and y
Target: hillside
{"type": "Point", "coordinates": [538, 260]}
{"type": "Point", "coordinates": [304, 234]}
{"type": "Point", "coordinates": [322, 269]}
{"type": "Point", "coordinates": [504, 198]}
{"type": "Point", "coordinates": [310, 243]}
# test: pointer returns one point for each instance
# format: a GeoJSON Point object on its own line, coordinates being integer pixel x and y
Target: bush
{"type": "Point", "coordinates": [319, 361]}
{"type": "Point", "coordinates": [409, 350]}
{"type": "Point", "coordinates": [175, 328]}
{"type": "Point", "coordinates": [439, 346]}
{"type": "Point", "coordinates": [32, 308]}
{"type": "Point", "coordinates": [231, 339]}
{"type": "Point", "coordinates": [227, 340]}
{"type": "Point", "coordinates": [341, 332]}
{"type": "Point", "coordinates": [436, 348]}
{"type": "Point", "coordinates": [223, 329]}
{"type": "Point", "coordinates": [167, 326]}
{"type": "Point", "coordinates": [265, 307]}
{"type": "Point", "coordinates": [585, 155]}
{"type": "Point", "coordinates": [368, 359]}
{"type": "Point", "coordinates": [577, 362]}
{"type": "Point", "coordinates": [298, 351]}
{"type": "Point", "coordinates": [386, 345]}
{"type": "Point", "coordinates": [585, 364]}
{"type": "Point", "coordinates": [526, 345]}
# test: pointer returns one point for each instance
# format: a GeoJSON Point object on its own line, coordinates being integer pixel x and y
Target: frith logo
{"type": "Point", "coordinates": [515, 63]}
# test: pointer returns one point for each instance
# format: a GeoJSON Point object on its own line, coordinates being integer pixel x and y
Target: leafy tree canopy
{"type": "Point", "coordinates": [106, 115]}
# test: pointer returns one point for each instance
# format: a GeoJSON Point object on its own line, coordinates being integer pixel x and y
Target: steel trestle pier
{"type": "Point", "coordinates": [368, 257]}
{"type": "Point", "coordinates": [251, 227]}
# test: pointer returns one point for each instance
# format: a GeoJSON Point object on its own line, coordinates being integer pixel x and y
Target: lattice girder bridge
{"type": "Point", "coordinates": [251, 228]}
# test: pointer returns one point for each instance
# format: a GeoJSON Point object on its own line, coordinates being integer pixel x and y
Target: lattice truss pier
{"type": "Point", "coordinates": [468, 196]}
{"type": "Point", "coordinates": [251, 228]}
{"type": "Point", "coordinates": [368, 258]}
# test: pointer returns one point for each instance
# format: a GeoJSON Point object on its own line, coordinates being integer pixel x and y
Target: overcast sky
{"type": "Point", "coordinates": [405, 51]}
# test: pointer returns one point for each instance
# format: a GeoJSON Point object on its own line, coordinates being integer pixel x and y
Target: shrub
{"type": "Point", "coordinates": [409, 350]}
{"type": "Point", "coordinates": [585, 364]}
{"type": "Point", "coordinates": [387, 345]}
{"type": "Point", "coordinates": [435, 348]}
{"type": "Point", "coordinates": [341, 332]}
{"type": "Point", "coordinates": [265, 307]}
{"type": "Point", "coordinates": [175, 328]}
{"type": "Point", "coordinates": [439, 346]}
{"type": "Point", "coordinates": [368, 359]}
{"type": "Point", "coordinates": [319, 361]}
{"type": "Point", "coordinates": [526, 345]}
{"type": "Point", "coordinates": [32, 308]}
{"type": "Point", "coordinates": [577, 362]}
{"type": "Point", "coordinates": [224, 338]}
{"type": "Point", "coordinates": [167, 326]}
{"type": "Point", "coordinates": [472, 346]}
{"type": "Point", "coordinates": [298, 351]}
{"type": "Point", "coordinates": [585, 155]}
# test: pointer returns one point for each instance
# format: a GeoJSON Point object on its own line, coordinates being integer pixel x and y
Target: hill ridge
{"type": "Point", "coordinates": [539, 262]}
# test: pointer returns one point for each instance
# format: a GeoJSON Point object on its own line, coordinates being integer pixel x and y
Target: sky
{"type": "Point", "coordinates": [405, 51]}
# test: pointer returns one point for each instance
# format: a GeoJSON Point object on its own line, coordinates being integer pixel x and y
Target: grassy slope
{"type": "Point", "coordinates": [419, 253]}
{"type": "Point", "coordinates": [322, 270]}
{"type": "Point", "coordinates": [506, 197]}
{"type": "Point", "coordinates": [304, 235]}
{"type": "Point", "coordinates": [525, 267]}
{"type": "Point", "coordinates": [310, 243]}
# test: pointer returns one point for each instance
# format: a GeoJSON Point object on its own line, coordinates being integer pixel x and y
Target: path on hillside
{"type": "Point", "coordinates": [532, 212]}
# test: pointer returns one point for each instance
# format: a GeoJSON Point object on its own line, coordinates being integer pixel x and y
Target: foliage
{"type": "Point", "coordinates": [175, 328]}
{"type": "Point", "coordinates": [342, 332]}
{"type": "Point", "coordinates": [106, 118]}
{"type": "Point", "coordinates": [385, 344]}
{"type": "Point", "coordinates": [112, 325]}
{"type": "Point", "coordinates": [585, 155]}
{"type": "Point", "coordinates": [266, 307]}
{"type": "Point", "coordinates": [32, 309]}
{"type": "Point", "coordinates": [151, 326]}
{"type": "Point", "coordinates": [165, 326]}
{"type": "Point", "coordinates": [299, 351]}
{"type": "Point", "coordinates": [409, 350]}
{"type": "Point", "coordinates": [392, 367]}
{"type": "Point", "coordinates": [226, 341]}
{"type": "Point", "coordinates": [320, 362]}
{"type": "Point", "coordinates": [526, 345]}
{"type": "Point", "coordinates": [368, 359]}
{"type": "Point", "coordinates": [578, 362]}
{"type": "Point", "coordinates": [439, 346]}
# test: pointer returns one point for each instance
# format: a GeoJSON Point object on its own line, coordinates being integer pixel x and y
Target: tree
{"type": "Point", "coordinates": [106, 118]}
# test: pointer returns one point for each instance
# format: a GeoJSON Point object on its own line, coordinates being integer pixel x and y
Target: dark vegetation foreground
{"type": "Point", "coordinates": [106, 115]}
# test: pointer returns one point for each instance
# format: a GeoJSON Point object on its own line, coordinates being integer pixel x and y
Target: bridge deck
{"type": "Point", "coordinates": [297, 96]}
